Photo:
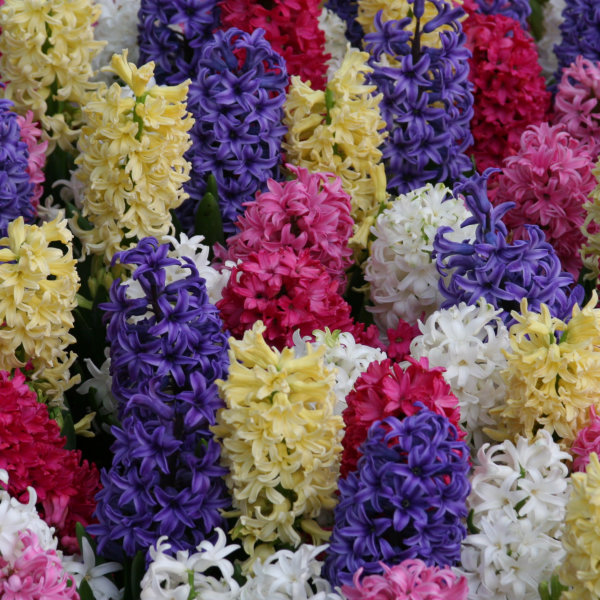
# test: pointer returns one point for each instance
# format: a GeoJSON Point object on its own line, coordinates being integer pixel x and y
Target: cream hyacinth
{"type": "Point", "coordinates": [280, 441]}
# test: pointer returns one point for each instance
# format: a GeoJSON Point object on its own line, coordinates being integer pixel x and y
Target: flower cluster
{"type": "Point", "coordinates": [385, 389]}
{"type": "Point", "coordinates": [579, 570]}
{"type": "Point", "coordinates": [590, 251]}
{"type": "Point", "coordinates": [292, 29]}
{"type": "Point", "coordinates": [131, 161]}
{"type": "Point", "coordinates": [46, 50]}
{"type": "Point", "coordinates": [343, 354]}
{"type": "Point", "coordinates": [400, 269]}
{"type": "Point", "coordinates": [33, 454]}
{"type": "Point", "coordinates": [579, 30]}
{"type": "Point", "coordinates": [515, 9]}
{"type": "Point", "coordinates": [37, 295]}
{"type": "Point", "coordinates": [173, 34]}
{"type": "Point", "coordinates": [468, 342]}
{"type": "Point", "coordinates": [236, 99]}
{"type": "Point", "coordinates": [287, 291]}
{"type": "Point", "coordinates": [517, 509]}
{"type": "Point", "coordinates": [31, 134]}
{"type": "Point", "coordinates": [586, 442]}
{"type": "Point", "coordinates": [167, 349]}
{"type": "Point", "coordinates": [407, 499]}
{"type": "Point", "coordinates": [552, 18]}
{"type": "Point", "coordinates": [501, 271]}
{"type": "Point", "coordinates": [576, 102]}
{"type": "Point", "coordinates": [411, 578]}
{"type": "Point", "coordinates": [552, 374]}
{"type": "Point", "coordinates": [281, 441]}
{"type": "Point", "coordinates": [340, 131]}
{"type": "Point", "coordinates": [427, 100]}
{"type": "Point", "coordinates": [311, 212]}
{"type": "Point", "coordinates": [336, 42]}
{"type": "Point", "coordinates": [549, 180]}
{"type": "Point", "coordinates": [16, 189]}
{"type": "Point", "coordinates": [509, 90]}
{"type": "Point", "coordinates": [400, 339]}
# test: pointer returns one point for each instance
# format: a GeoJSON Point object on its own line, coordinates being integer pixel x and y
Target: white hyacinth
{"type": "Point", "coordinates": [101, 382]}
{"type": "Point", "coordinates": [287, 575]}
{"type": "Point", "coordinates": [468, 342]}
{"type": "Point", "coordinates": [342, 353]}
{"type": "Point", "coordinates": [400, 270]}
{"type": "Point", "coordinates": [336, 42]}
{"type": "Point", "coordinates": [553, 10]}
{"type": "Point", "coordinates": [118, 26]}
{"type": "Point", "coordinates": [518, 503]}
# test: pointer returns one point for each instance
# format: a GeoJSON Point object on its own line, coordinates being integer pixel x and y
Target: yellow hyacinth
{"type": "Point", "coordinates": [280, 441]}
{"type": "Point", "coordinates": [340, 131]}
{"type": "Point", "coordinates": [131, 162]}
{"type": "Point", "coordinates": [46, 49]}
{"type": "Point", "coordinates": [38, 285]}
{"type": "Point", "coordinates": [553, 373]}
{"type": "Point", "coordinates": [581, 568]}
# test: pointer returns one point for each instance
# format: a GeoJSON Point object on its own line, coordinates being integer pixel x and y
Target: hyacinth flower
{"type": "Point", "coordinates": [586, 442]}
{"type": "Point", "coordinates": [347, 10]}
{"type": "Point", "coordinates": [552, 18]}
{"type": "Point", "coordinates": [340, 131]}
{"type": "Point", "coordinates": [280, 441]}
{"type": "Point", "coordinates": [172, 35]}
{"type": "Point", "coordinates": [131, 163]}
{"type": "Point", "coordinates": [291, 28]}
{"type": "Point", "coordinates": [167, 349]}
{"type": "Point", "coordinates": [501, 271]}
{"type": "Point", "coordinates": [508, 86]}
{"type": "Point", "coordinates": [46, 49]}
{"type": "Point", "coordinates": [420, 66]}
{"type": "Point", "coordinates": [549, 180]}
{"type": "Point", "coordinates": [310, 212]}
{"type": "Point", "coordinates": [552, 373]}
{"type": "Point", "coordinates": [515, 9]}
{"type": "Point", "coordinates": [576, 102]}
{"type": "Point", "coordinates": [236, 99]}
{"type": "Point", "coordinates": [33, 453]}
{"type": "Point", "coordinates": [38, 286]}
{"type": "Point", "coordinates": [579, 29]}
{"type": "Point", "coordinates": [406, 501]}
{"type": "Point", "coordinates": [16, 189]}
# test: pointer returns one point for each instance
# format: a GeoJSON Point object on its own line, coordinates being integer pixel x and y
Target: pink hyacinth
{"type": "Point", "coordinates": [586, 442]}
{"type": "Point", "coordinates": [410, 580]}
{"type": "Point", "coordinates": [549, 179]}
{"type": "Point", "coordinates": [31, 134]}
{"type": "Point", "coordinates": [36, 574]}
{"type": "Point", "coordinates": [576, 103]}
{"type": "Point", "coordinates": [311, 212]}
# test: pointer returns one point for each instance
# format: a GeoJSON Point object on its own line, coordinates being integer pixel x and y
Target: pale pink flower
{"type": "Point", "coordinates": [31, 134]}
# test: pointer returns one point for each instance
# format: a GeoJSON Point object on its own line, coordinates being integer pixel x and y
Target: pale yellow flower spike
{"type": "Point", "coordinates": [46, 49]}
{"type": "Point", "coordinates": [581, 568]}
{"type": "Point", "coordinates": [38, 285]}
{"type": "Point", "coordinates": [131, 161]}
{"type": "Point", "coordinates": [280, 442]}
{"type": "Point", "coordinates": [343, 138]}
{"type": "Point", "coordinates": [550, 384]}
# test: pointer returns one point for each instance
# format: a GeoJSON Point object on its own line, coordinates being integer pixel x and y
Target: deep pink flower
{"type": "Point", "coordinates": [549, 179]}
{"type": "Point", "coordinates": [586, 442]}
{"type": "Point", "coordinates": [509, 90]}
{"type": "Point", "coordinates": [576, 102]}
{"type": "Point", "coordinates": [31, 134]}
{"type": "Point", "coordinates": [311, 212]}
{"type": "Point", "coordinates": [410, 580]}
{"type": "Point", "coordinates": [399, 340]}
{"type": "Point", "coordinates": [36, 574]}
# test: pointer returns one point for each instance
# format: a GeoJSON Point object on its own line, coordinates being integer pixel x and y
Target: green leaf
{"type": "Point", "coordinates": [68, 430]}
{"type": "Point", "coordinates": [176, 223]}
{"type": "Point", "coordinates": [136, 570]}
{"type": "Point", "coordinates": [544, 591]}
{"type": "Point", "coordinates": [85, 591]}
{"type": "Point", "coordinates": [208, 221]}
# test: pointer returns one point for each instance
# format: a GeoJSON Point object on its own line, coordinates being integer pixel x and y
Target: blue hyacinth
{"type": "Point", "coordinates": [427, 102]}
{"type": "Point", "coordinates": [167, 349]}
{"type": "Point", "coordinates": [406, 500]}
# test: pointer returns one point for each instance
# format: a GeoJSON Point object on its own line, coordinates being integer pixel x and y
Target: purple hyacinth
{"type": "Point", "coordinates": [406, 500]}
{"type": "Point", "coordinates": [16, 189]}
{"type": "Point", "coordinates": [580, 26]}
{"type": "Point", "coordinates": [167, 349]}
{"type": "Point", "coordinates": [237, 102]}
{"type": "Point", "coordinates": [347, 10]}
{"type": "Point", "coordinates": [501, 271]}
{"type": "Point", "coordinates": [515, 9]}
{"type": "Point", "coordinates": [172, 34]}
{"type": "Point", "coordinates": [427, 101]}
